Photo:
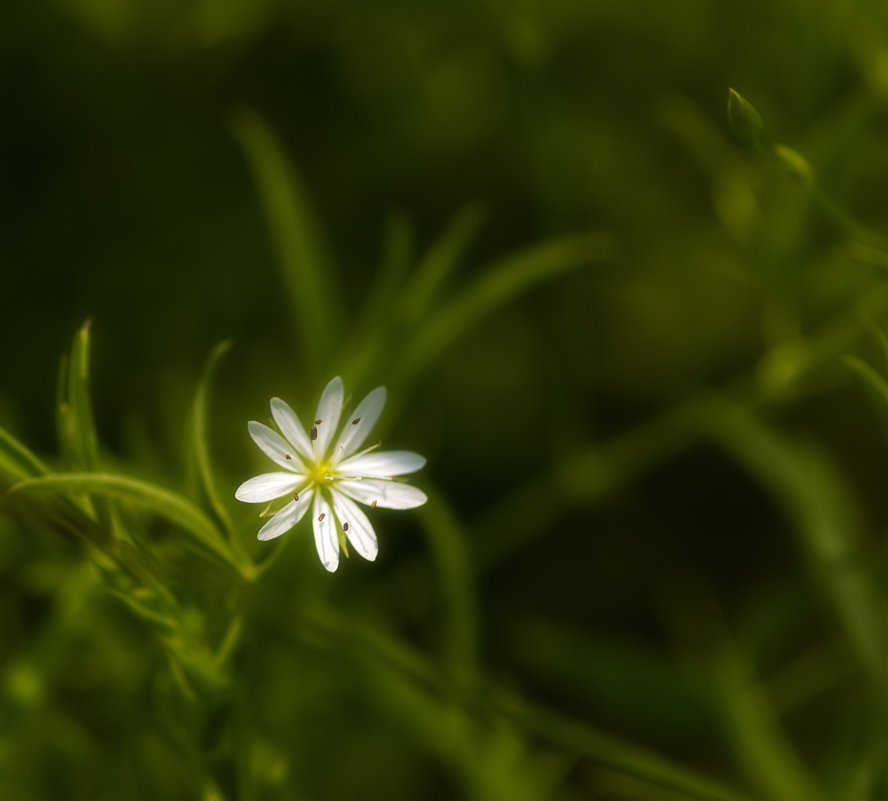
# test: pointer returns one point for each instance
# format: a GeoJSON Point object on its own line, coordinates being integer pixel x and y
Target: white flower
{"type": "Point", "coordinates": [328, 477]}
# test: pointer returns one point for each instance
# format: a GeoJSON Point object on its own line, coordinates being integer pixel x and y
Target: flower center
{"type": "Point", "coordinates": [321, 473]}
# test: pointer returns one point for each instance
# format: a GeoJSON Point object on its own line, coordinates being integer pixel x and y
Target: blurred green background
{"type": "Point", "coordinates": [652, 566]}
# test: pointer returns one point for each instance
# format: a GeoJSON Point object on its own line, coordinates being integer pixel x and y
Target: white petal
{"type": "Point", "coordinates": [267, 487]}
{"type": "Point", "coordinates": [359, 532]}
{"type": "Point", "coordinates": [329, 409]}
{"type": "Point", "coordinates": [326, 540]}
{"type": "Point", "coordinates": [359, 423]}
{"type": "Point", "coordinates": [388, 494]}
{"type": "Point", "coordinates": [286, 518]}
{"type": "Point", "coordinates": [292, 429]}
{"type": "Point", "coordinates": [275, 447]}
{"type": "Point", "coordinates": [386, 463]}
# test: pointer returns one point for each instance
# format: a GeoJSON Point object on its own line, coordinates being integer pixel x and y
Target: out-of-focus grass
{"type": "Point", "coordinates": [652, 563]}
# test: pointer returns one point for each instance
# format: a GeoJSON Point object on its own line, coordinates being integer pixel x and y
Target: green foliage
{"type": "Point", "coordinates": [304, 268]}
{"type": "Point", "coordinates": [198, 439]}
{"type": "Point", "coordinates": [175, 508]}
{"type": "Point", "coordinates": [746, 122]}
{"type": "Point", "coordinates": [16, 460]}
{"type": "Point", "coordinates": [652, 561]}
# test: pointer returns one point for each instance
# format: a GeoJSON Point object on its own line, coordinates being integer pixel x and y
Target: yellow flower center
{"type": "Point", "coordinates": [321, 474]}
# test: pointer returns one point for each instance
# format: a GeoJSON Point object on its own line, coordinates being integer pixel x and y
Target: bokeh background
{"type": "Point", "coordinates": [655, 543]}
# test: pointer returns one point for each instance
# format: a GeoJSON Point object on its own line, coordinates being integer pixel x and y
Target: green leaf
{"type": "Point", "coordinates": [804, 483]}
{"type": "Point", "coordinates": [439, 262]}
{"type": "Point", "coordinates": [198, 442]}
{"type": "Point", "coordinates": [761, 744]}
{"type": "Point", "coordinates": [794, 163]}
{"type": "Point", "coordinates": [880, 337]}
{"type": "Point", "coordinates": [397, 257]}
{"type": "Point", "coordinates": [327, 631]}
{"type": "Point", "coordinates": [374, 329]}
{"type": "Point", "coordinates": [77, 431]}
{"type": "Point", "coordinates": [500, 283]}
{"type": "Point", "coordinates": [144, 610]}
{"type": "Point", "coordinates": [876, 386]}
{"type": "Point", "coordinates": [643, 687]}
{"type": "Point", "coordinates": [745, 121]}
{"type": "Point", "coordinates": [17, 460]}
{"type": "Point", "coordinates": [304, 265]}
{"type": "Point", "coordinates": [612, 752]}
{"type": "Point", "coordinates": [722, 669]}
{"type": "Point", "coordinates": [162, 502]}
{"type": "Point", "coordinates": [447, 544]}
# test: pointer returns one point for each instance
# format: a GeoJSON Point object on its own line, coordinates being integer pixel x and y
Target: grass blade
{"type": "Point", "coordinates": [198, 437]}
{"type": "Point", "coordinates": [340, 636]}
{"type": "Point", "coordinates": [720, 666]}
{"type": "Point", "coordinates": [305, 268]}
{"type": "Point", "coordinates": [396, 260]}
{"type": "Point", "coordinates": [374, 329]}
{"type": "Point", "coordinates": [162, 502]}
{"type": "Point", "coordinates": [77, 431]}
{"type": "Point", "coordinates": [447, 543]}
{"type": "Point", "coordinates": [500, 283]}
{"type": "Point", "coordinates": [17, 460]}
{"type": "Point", "coordinates": [804, 484]}
{"type": "Point", "coordinates": [876, 386]}
{"type": "Point", "coordinates": [759, 741]}
{"type": "Point", "coordinates": [611, 752]}
{"type": "Point", "coordinates": [439, 262]}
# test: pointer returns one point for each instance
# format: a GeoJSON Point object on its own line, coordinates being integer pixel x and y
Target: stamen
{"type": "Point", "coordinates": [356, 421]}
{"type": "Point", "coordinates": [373, 504]}
{"type": "Point", "coordinates": [345, 526]}
{"type": "Point", "coordinates": [395, 479]}
{"type": "Point", "coordinates": [314, 433]}
{"type": "Point", "coordinates": [295, 496]}
{"type": "Point", "coordinates": [288, 457]}
{"type": "Point", "coordinates": [322, 516]}
{"type": "Point", "coordinates": [367, 450]}
{"type": "Point", "coordinates": [318, 421]}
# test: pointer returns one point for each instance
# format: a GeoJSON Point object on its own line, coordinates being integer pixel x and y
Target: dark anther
{"type": "Point", "coordinates": [323, 515]}
{"type": "Point", "coordinates": [356, 421]}
{"type": "Point", "coordinates": [288, 457]}
{"type": "Point", "coordinates": [318, 421]}
{"type": "Point", "coordinates": [345, 526]}
{"type": "Point", "coordinates": [314, 433]}
{"type": "Point", "coordinates": [295, 496]}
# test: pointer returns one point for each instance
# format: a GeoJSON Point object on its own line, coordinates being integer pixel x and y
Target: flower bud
{"type": "Point", "coordinates": [745, 121]}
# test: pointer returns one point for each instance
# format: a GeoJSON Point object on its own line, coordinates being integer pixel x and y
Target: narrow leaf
{"type": "Point", "coordinates": [338, 635]}
{"type": "Point", "coordinates": [305, 269]}
{"type": "Point", "coordinates": [372, 334]}
{"type": "Point", "coordinates": [162, 502]}
{"type": "Point", "coordinates": [499, 284]}
{"type": "Point", "coordinates": [77, 430]}
{"type": "Point", "coordinates": [745, 121]}
{"type": "Point", "coordinates": [17, 460]}
{"type": "Point", "coordinates": [876, 387]}
{"type": "Point", "coordinates": [198, 436]}
{"type": "Point", "coordinates": [448, 547]}
{"type": "Point", "coordinates": [877, 333]}
{"type": "Point", "coordinates": [760, 743]}
{"type": "Point", "coordinates": [396, 259]}
{"type": "Point", "coordinates": [805, 485]}
{"type": "Point", "coordinates": [439, 262]}
{"type": "Point", "coordinates": [612, 752]}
